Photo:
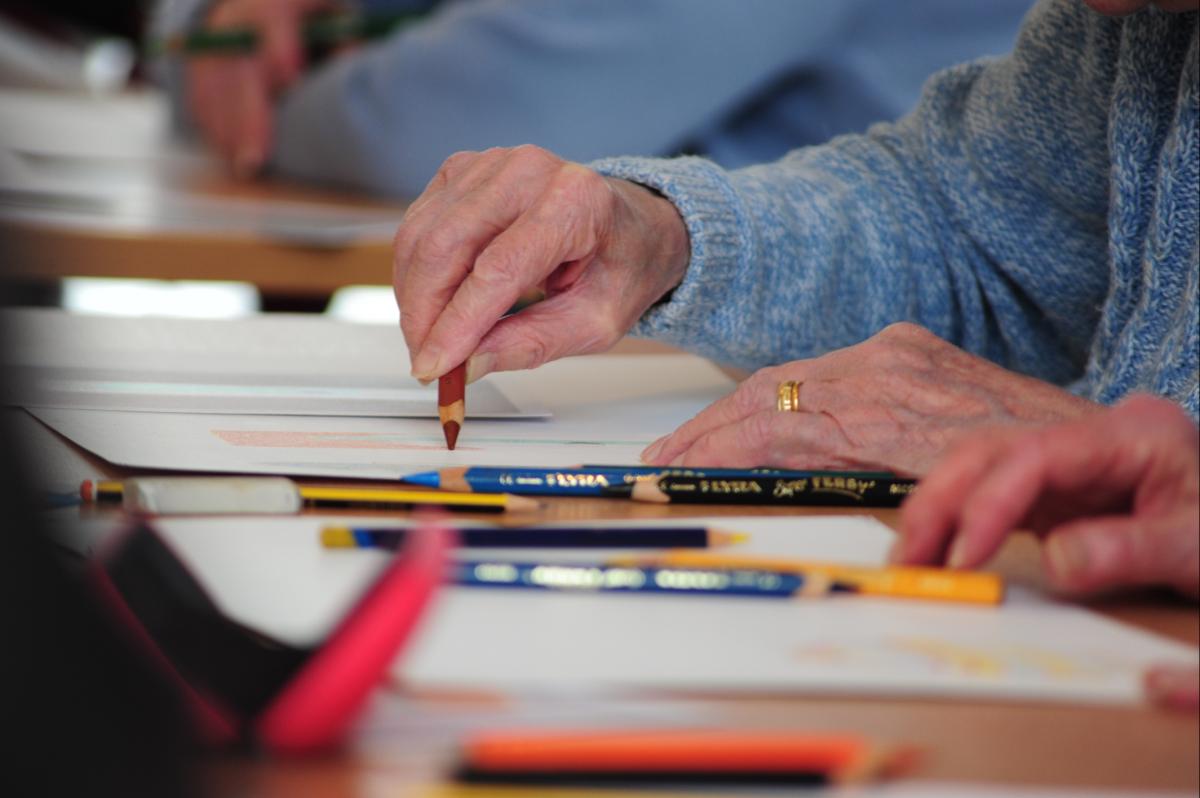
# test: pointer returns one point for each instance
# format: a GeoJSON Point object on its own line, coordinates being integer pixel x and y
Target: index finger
{"type": "Point", "coordinates": [929, 517]}
{"type": "Point", "coordinates": [524, 255]}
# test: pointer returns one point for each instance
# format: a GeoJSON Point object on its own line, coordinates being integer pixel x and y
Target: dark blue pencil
{"type": "Point", "coordinates": [658, 537]}
{"type": "Point", "coordinates": [615, 579]}
{"type": "Point", "coordinates": [584, 481]}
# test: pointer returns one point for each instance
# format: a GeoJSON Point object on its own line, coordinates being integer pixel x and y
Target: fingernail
{"type": "Point", "coordinates": [1066, 557]}
{"type": "Point", "coordinates": [651, 451]}
{"type": "Point", "coordinates": [479, 365]}
{"type": "Point", "coordinates": [428, 364]}
{"type": "Point", "coordinates": [958, 553]}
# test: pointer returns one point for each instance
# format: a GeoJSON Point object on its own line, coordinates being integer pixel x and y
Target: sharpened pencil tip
{"type": "Point", "coordinates": [338, 537]}
{"type": "Point", "coordinates": [427, 479]}
{"type": "Point", "coordinates": [450, 428]}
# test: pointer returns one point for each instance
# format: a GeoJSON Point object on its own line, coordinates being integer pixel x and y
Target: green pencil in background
{"type": "Point", "coordinates": [320, 31]}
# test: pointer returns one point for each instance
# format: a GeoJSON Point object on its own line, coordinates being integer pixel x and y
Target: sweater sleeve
{"type": "Point", "coordinates": [980, 215]}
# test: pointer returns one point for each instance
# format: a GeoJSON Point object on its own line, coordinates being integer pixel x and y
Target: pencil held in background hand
{"type": "Point", "coordinates": [452, 388]}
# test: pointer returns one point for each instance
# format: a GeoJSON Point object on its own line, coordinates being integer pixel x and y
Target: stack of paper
{"type": "Point", "coordinates": [303, 396]}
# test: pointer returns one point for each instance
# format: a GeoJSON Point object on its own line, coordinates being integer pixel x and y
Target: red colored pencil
{"type": "Point", "coordinates": [452, 389]}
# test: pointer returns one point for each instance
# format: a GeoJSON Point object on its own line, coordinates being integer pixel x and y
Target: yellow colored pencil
{"type": "Point", "coordinates": [940, 584]}
{"type": "Point", "coordinates": [355, 497]}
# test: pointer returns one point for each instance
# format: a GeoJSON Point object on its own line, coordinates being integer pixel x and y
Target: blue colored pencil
{"type": "Point", "coordinates": [615, 579]}
{"type": "Point", "coordinates": [619, 537]}
{"type": "Point", "coordinates": [584, 481]}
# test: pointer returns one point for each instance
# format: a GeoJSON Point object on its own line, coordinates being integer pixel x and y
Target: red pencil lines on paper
{"type": "Point", "coordinates": [323, 440]}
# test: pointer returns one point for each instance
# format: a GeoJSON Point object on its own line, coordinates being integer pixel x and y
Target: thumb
{"type": "Point", "coordinates": [1107, 552]}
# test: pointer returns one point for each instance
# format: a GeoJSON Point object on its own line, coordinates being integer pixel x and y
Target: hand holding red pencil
{"type": "Point", "coordinates": [491, 226]}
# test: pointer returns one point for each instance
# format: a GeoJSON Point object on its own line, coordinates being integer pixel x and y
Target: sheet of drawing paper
{"type": "Point", "coordinates": [263, 365]}
{"type": "Point", "coordinates": [606, 409]}
{"type": "Point", "coordinates": [272, 574]}
{"type": "Point", "coordinates": [111, 164]}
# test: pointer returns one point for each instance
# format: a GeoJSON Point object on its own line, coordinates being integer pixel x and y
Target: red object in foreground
{"type": "Point", "coordinates": [452, 391]}
{"type": "Point", "coordinates": [707, 756]}
{"type": "Point", "coordinates": [243, 686]}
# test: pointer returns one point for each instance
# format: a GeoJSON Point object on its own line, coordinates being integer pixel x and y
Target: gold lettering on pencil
{"type": "Point", "coordinates": [736, 486]}
{"type": "Point", "coordinates": [851, 487]}
{"type": "Point", "coordinates": [901, 488]}
{"type": "Point", "coordinates": [786, 488]}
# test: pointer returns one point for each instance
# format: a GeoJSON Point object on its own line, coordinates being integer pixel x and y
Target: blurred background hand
{"type": "Point", "coordinates": [231, 97]}
{"type": "Point", "coordinates": [1115, 495]}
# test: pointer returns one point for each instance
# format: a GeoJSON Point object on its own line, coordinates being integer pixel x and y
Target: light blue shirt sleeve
{"type": "Point", "coordinates": [742, 82]}
{"type": "Point", "coordinates": [584, 78]}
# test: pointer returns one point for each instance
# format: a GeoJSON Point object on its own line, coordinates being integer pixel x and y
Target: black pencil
{"type": "Point", "coordinates": [815, 490]}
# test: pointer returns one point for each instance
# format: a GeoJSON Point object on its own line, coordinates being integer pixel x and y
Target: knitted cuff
{"type": "Point", "coordinates": [701, 192]}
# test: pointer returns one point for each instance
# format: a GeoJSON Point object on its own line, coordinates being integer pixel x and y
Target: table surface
{"type": "Point", "coordinates": [120, 148]}
{"type": "Point", "coordinates": [988, 742]}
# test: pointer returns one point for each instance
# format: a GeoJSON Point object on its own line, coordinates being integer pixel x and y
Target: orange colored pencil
{"type": "Point", "coordinates": [702, 754]}
{"type": "Point", "coordinates": [452, 389]}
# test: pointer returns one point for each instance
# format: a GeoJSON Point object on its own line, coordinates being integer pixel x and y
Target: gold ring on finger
{"type": "Point", "coordinates": [787, 397]}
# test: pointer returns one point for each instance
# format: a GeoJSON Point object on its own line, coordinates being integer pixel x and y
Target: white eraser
{"type": "Point", "coordinates": [211, 495]}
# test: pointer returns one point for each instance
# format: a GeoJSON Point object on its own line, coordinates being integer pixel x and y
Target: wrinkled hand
{"type": "Point", "coordinates": [232, 97]}
{"type": "Point", "coordinates": [494, 226]}
{"type": "Point", "coordinates": [894, 401]}
{"type": "Point", "coordinates": [1116, 496]}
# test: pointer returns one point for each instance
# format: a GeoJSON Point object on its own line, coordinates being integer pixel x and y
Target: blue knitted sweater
{"type": "Point", "coordinates": [1040, 210]}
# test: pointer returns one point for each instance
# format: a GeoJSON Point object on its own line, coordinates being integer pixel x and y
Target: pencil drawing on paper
{"type": "Point", "coordinates": [329, 440]}
{"type": "Point", "coordinates": [300, 439]}
{"type": "Point", "coordinates": [982, 661]}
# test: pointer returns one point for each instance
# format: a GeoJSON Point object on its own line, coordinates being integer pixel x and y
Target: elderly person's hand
{"type": "Point", "coordinates": [232, 97]}
{"type": "Point", "coordinates": [1116, 496]}
{"type": "Point", "coordinates": [492, 227]}
{"type": "Point", "coordinates": [894, 402]}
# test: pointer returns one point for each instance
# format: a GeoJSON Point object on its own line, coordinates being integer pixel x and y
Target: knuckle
{"type": "Point", "coordinates": [576, 182]}
{"type": "Point", "coordinates": [757, 391]}
{"type": "Point", "coordinates": [496, 268]}
{"type": "Point", "coordinates": [902, 331]}
{"type": "Point", "coordinates": [532, 154]}
{"type": "Point", "coordinates": [535, 348]}
{"type": "Point", "coordinates": [452, 167]}
{"type": "Point", "coordinates": [600, 331]}
{"type": "Point", "coordinates": [436, 246]}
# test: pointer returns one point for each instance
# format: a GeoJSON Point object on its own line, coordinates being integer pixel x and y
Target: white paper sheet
{"type": "Point", "coordinates": [263, 365]}
{"type": "Point", "coordinates": [606, 409]}
{"type": "Point", "coordinates": [272, 574]}
{"type": "Point", "coordinates": [109, 163]}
